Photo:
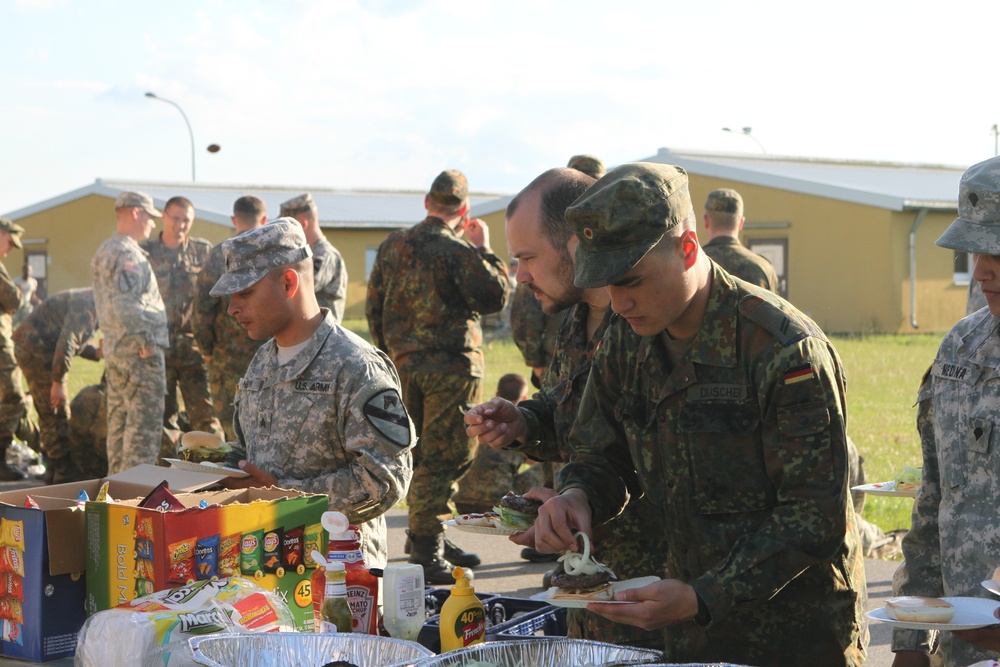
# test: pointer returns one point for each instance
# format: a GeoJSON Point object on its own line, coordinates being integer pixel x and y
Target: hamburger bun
{"type": "Point", "coordinates": [919, 609]}
{"type": "Point", "coordinates": [602, 594]}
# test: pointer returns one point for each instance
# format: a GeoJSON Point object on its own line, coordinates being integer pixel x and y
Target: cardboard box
{"type": "Point", "coordinates": [132, 551]}
{"type": "Point", "coordinates": [53, 560]}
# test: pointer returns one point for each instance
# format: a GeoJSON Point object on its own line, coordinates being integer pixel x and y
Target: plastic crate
{"type": "Point", "coordinates": [514, 618]}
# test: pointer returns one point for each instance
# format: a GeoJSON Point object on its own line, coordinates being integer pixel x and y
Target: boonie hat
{"type": "Point", "coordinates": [15, 231]}
{"type": "Point", "coordinates": [295, 205]}
{"type": "Point", "coordinates": [622, 216]}
{"type": "Point", "coordinates": [450, 188]}
{"type": "Point", "coordinates": [250, 255]}
{"type": "Point", "coordinates": [139, 200]}
{"type": "Point", "coordinates": [977, 227]}
{"type": "Point", "coordinates": [724, 200]}
{"type": "Point", "coordinates": [588, 164]}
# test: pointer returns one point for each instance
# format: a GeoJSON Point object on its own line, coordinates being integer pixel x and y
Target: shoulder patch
{"type": "Point", "coordinates": [385, 412]}
{"type": "Point", "coordinates": [772, 319]}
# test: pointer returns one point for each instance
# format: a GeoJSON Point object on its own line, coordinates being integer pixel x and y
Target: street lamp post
{"type": "Point", "coordinates": [746, 132]}
{"type": "Point", "coordinates": [186, 122]}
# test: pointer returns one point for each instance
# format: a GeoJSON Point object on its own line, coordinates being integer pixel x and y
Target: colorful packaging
{"type": "Point", "coordinates": [206, 558]}
{"type": "Point", "coordinates": [272, 552]}
{"type": "Point", "coordinates": [229, 555]}
{"type": "Point", "coordinates": [12, 533]}
{"type": "Point", "coordinates": [12, 586]}
{"type": "Point", "coordinates": [12, 561]}
{"type": "Point", "coordinates": [181, 562]}
{"type": "Point", "coordinates": [11, 632]}
{"type": "Point", "coordinates": [291, 550]}
{"type": "Point", "coordinates": [143, 528]}
{"type": "Point", "coordinates": [161, 499]}
{"type": "Point", "coordinates": [313, 537]}
{"type": "Point", "coordinates": [252, 554]}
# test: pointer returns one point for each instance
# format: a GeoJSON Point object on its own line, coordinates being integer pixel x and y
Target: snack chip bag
{"type": "Point", "coordinates": [291, 549]}
{"type": "Point", "coordinates": [12, 533]}
{"type": "Point", "coordinates": [11, 586]}
{"type": "Point", "coordinates": [82, 498]}
{"type": "Point", "coordinates": [30, 503]}
{"type": "Point", "coordinates": [313, 538]}
{"type": "Point", "coordinates": [229, 555]}
{"type": "Point", "coordinates": [252, 553]}
{"type": "Point", "coordinates": [144, 586]}
{"type": "Point", "coordinates": [181, 561]}
{"type": "Point", "coordinates": [11, 632]}
{"type": "Point", "coordinates": [12, 561]}
{"type": "Point", "coordinates": [102, 494]}
{"type": "Point", "coordinates": [206, 558]}
{"type": "Point", "coordinates": [144, 549]}
{"type": "Point", "coordinates": [144, 569]}
{"type": "Point", "coordinates": [10, 610]}
{"type": "Point", "coordinates": [272, 551]}
{"type": "Point", "coordinates": [143, 528]}
{"type": "Point", "coordinates": [161, 499]}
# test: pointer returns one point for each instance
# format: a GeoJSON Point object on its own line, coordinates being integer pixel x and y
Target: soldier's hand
{"type": "Point", "coordinates": [145, 352]}
{"type": "Point", "coordinates": [558, 517]}
{"type": "Point", "coordinates": [986, 638]}
{"type": "Point", "coordinates": [496, 423]}
{"type": "Point", "coordinates": [257, 477]}
{"type": "Point", "coordinates": [478, 232]}
{"type": "Point", "coordinates": [57, 396]}
{"type": "Point", "coordinates": [661, 603]}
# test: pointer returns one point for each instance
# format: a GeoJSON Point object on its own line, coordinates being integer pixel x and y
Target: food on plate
{"type": "Point", "coordinates": [486, 520]}
{"type": "Point", "coordinates": [908, 479]}
{"type": "Point", "coordinates": [579, 577]}
{"type": "Point", "coordinates": [919, 609]}
{"type": "Point", "coordinates": [201, 447]}
{"type": "Point", "coordinates": [517, 512]}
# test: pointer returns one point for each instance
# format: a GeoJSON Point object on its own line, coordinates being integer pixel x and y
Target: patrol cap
{"type": "Point", "coordinates": [296, 205]}
{"type": "Point", "coordinates": [588, 164]}
{"type": "Point", "coordinates": [450, 188]}
{"type": "Point", "coordinates": [15, 231]}
{"type": "Point", "coordinates": [977, 227]}
{"type": "Point", "coordinates": [725, 200]}
{"type": "Point", "coordinates": [250, 255]}
{"type": "Point", "coordinates": [139, 200]}
{"type": "Point", "coordinates": [622, 216]}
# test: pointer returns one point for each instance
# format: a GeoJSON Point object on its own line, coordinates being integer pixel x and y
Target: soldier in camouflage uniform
{"type": "Point", "coordinates": [427, 291]}
{"type": "Point", "coordinates": [87, 431]}
{"type": "Point", "coordinates": [725, 406]}
{"type": "Point", "coordinates": [177, 259]}
{"type": "Point", "coordinates": [12, 406]}
{"type": "Point", "coordinates": [319, 409]}
{"type": "Point", "coordinates": [55, 332]}
{"type": "Point", "coordinates": [533, 331]}
{"type": "Point", "coordinates": [723, 218]}
{"type": "Point", "coordinates": [952, 545]}
{"type": "Point", "coordinates": [633, 544]}
{"type": "Point", "coordinates": [329, 271]}
{"type": "Point", "coordinates": [227, 348]}
{"type": "Point", "coordinates": [134, 320]}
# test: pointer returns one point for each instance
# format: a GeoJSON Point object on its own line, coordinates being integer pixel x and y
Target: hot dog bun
{"type": "Point", "coordinates": [919, 609]}
{"type": "Point", "coordinates": [487, 520]}
{"type": "Point", "coordinates": [599, 595]}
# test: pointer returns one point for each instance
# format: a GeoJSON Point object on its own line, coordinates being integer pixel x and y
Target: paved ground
{"type": "Point", "coordinates": [504, 572]}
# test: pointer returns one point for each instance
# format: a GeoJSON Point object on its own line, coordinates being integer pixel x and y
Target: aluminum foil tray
{"type": "Point", "coordinates": [304, 649]}
{"type": "Point", "coordinates": [544, 653]}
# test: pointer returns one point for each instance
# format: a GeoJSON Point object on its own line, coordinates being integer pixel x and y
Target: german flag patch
{"type": "Point", "coordinates": [799, 374]}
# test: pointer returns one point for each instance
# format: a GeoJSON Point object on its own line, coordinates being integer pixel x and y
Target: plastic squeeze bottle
{"type": "Point", "coordinates": [463, 617]}
{"type": "Point", "coordinates": [336, 612]}
{"type": "Point", "coordinates": [403, 590]}
{"type": "Point", "coordinates": [362, 586]}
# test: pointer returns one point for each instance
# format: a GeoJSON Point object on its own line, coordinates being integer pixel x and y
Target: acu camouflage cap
{"type": "Point", "coordinates": [977, 227]}
{"type": "Point", "coordinates": [622, 216]}
{"type": "Point", "coordinates": [725, 200]}
{"type": "Point", "coordinates": [296, 205]}
{"type": "Point", "coordinates": [14, 229]}
{"type": "Point", "coordinates": [139, 200]}
{"type": "Point", "coordinates": [588, 164]}
{"type": "Point", "coordinates": [450, 188]}
{"type": "Point", "coordinates": [250, 255]}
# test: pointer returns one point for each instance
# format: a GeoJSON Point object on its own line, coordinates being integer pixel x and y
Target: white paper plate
{"type": "Point", "coordinates": [970, 613]}
{"type": "Point", "coordinates": [199, 467]}
{"type": "Point", "coordinates": [482, 530]}
{"type": "Point", "coordinates": [638, 582]}
{"type": "Point", "coordinates": [992, 586]}
{"type": "Point", "coordinates": [884, 489]}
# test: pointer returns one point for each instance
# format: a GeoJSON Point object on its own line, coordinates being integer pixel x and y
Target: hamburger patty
{"type": "Point", "coordinates": [581, 582]}
{"type": "Point", "coordinates": [521, 504]}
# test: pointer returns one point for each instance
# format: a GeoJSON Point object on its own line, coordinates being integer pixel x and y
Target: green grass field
{"type": "Point", "coordinates": [883, 374]}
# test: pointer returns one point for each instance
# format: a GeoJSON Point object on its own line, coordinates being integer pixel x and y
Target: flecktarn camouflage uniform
{"type": "Point", "coordinates": [740, 261]}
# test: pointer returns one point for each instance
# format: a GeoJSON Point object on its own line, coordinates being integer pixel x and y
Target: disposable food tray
{"type": "Point", "coordinates": [517, 617]}
{"type": "Point", "coordinates": [537, 652]}
{"type": "Point", "coordinates": [280, 649]}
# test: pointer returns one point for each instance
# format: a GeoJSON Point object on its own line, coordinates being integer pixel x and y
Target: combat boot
{"type": "Point", "coordinates": [8, 474]}
{"type": "Point", "coordinates": [453, 553]}
{"type": "Point", "coordinates": [428, 552]}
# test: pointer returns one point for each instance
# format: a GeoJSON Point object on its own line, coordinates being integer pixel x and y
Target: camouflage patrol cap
{"type": "Point", "coordinates": [588, 164]}
{"type": "Point", "coordinates": [15, 231]}
{"type": "Point", "coordinates": [296, 205]}
{"type": "Point", "coordinates": [450, 188]}
{"type": "Point", "coordinates": [725, 200]}
{"type": "Point", "coordinates": [622, 216]}
{"type": "Point", "coordinates": [250, 255]}
{"type": "Point", "coordinates": [139, 200]}
{"type": "Point", "coordinates": [977, 227]}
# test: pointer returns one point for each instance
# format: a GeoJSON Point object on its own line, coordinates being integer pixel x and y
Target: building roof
{"type": "Point", "coordinates": [341, 209]}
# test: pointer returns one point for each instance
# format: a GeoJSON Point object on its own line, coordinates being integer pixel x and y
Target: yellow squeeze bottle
{"type": "Point", "coordinates": [463, 617]}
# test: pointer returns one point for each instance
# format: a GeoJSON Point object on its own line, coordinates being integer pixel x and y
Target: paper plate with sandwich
{"type": "Point", "coordinates": [579, 580]}
{"type": "Point", "coordinates": [904, 485]}
{"type": "Point", "coordinates": [915, 612]}
{"type": "Point", "coordinates": [204, 452]}
{"type": "Point", "coordinates": [513, 514]}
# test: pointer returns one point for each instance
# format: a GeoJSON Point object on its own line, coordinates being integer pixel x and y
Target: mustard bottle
{"type": "Point", "coordinates": [463, 617]}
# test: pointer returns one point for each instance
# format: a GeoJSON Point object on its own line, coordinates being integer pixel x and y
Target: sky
{"type": "Point", "coordinates": [385, 94]}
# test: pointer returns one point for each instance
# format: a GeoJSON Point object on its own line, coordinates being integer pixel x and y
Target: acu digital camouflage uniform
{"type": "Point", "coordinates": [329, 271]}
{"type": "Point", "coordinates": [633, 544]}
{"type": "Point", "coordinates": [221, 338]}
{"type": "Point", "coordinates": [954, 541]}
{"type": "Point", "coordinates": [177, 271]}
{"type": "Point", "coordinates": [331, 419]}
{"type": "Point", "coordinates": [55, 332]}
{"type": "Point", "coordinates": [131, 314]}
{"type": "Point", "coordinates": [12, 406]}
{"type": "Point", "coordinates": [88, 431]}
{"type": "Point", "coordinates": [739, 438]}
{"type": "Point", "coordinates": [427, 291]}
